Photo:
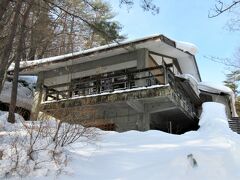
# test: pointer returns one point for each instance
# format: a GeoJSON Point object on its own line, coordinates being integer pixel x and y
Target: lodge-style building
{"type": "Point", "coordinates": [148, 83]}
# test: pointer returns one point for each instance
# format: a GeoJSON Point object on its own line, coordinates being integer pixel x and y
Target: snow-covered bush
{"type": "Point", "coordinates": [29, 148]}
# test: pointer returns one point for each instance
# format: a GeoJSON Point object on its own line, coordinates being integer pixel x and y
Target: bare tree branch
{"type": "Point", "coordinates": [220, 8]}
{"type": "Point", "coordinates": [225, 61]}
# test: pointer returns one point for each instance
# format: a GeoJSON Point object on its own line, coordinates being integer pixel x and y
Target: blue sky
{"type": "Point", "coordinates": [185, 20]}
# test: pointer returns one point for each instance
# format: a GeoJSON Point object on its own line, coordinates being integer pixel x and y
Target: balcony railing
{"type": "Point", "coordinates": [109, 82]}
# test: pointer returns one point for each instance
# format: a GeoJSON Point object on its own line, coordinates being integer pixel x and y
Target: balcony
{"type": "Point", "coordinates": [109, 82]}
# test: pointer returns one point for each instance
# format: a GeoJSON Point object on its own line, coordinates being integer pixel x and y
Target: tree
{"type": "Point", "coordinates": [31, 29]}
{"type": "Point", "coordinates": [222, 7]}
{"type": "Point", "coordinates": [21, 38]}
{"type": "Point", "coordinates": [233, 7]}
{"type": "Point", "coordinates": [147, 5]}
{"type": "Point", "coordinates": [233, 82]}
{"type": "Point", "coordinates": [8, 45]}
{"type": "Point", "coordinates": [54, 27]}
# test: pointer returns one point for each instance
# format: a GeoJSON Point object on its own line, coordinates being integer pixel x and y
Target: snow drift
{"type": "Point", "coordinates": [212, 152]}
{"type": "Point", "coordinates": [158, 155]}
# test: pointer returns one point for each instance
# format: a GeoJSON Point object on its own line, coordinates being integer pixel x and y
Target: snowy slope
{"type": "Point", "coordinates": [212, 152]}
{"type": "Point", "coordinates": [158, 155]}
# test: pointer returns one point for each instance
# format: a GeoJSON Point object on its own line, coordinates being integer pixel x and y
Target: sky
{"type": "Point", "coordinates": [185, 20]}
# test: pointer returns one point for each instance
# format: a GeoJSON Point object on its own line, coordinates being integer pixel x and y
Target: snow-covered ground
{"type": "Point", "coordinates": [212, 152]}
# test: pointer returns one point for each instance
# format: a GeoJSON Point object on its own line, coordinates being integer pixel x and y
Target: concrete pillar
{"type": "Point", "coordinates": [143, 123]}
{"type": "Point", "coordinates": [146, 121]}
{"type": "Point", "coordinates": [142, 60]}
{"type": "Point", "coordinates": [37, 99]}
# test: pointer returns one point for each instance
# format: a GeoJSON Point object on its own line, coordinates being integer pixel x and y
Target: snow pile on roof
{"type": "Point", "coordinates": [186, 46]}
{"type": "Point", "coordinates": [24, 96]}
{"type": "Point", "coordinates": [212, 152]}
{"type": "Point", "coordinates": [219, 89]}
{"type": "Point", "coordinates": [214, 88]}
{"type": "Point", "coordinates": [193, 82]}
{"type": "Point", "coordinates": [60, 57]}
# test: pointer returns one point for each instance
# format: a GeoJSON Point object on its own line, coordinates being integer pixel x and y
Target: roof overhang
{"type": "Point", "coordinates": [157, 43]}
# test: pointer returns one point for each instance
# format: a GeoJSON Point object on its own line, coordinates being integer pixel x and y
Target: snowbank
{"type": "Point", "coordinates": [212, 152]}
{"type": "Point", "coordinates": [27, 148]}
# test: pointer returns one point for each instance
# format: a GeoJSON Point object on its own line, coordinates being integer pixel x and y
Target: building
{"type": "Point", "coordinates": [148, 83]}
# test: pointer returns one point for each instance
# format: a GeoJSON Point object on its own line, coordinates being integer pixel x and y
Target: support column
{"type": "Point", "coordinates": [146, 121]}
{"type": "Point", "coordinates": [143, 123]}
{"type": "Point", "coordinates": [142, 60]}
{"type": "Point", "coordinates": [37, 99]}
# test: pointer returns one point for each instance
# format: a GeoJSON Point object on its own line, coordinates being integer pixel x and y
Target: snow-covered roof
{"type": "Point", "coordinates": [156, 43]}
{"type": "Point", "coordinates": [24, 95]}
{"type": "Point", "coordinates": [186, 46]}
{"type": "Point", "coordinates": [214, 88]}
{"type": "Point", "coordinates": [25, 64]}
{"type": "Point", "coordinates": [219, 89]}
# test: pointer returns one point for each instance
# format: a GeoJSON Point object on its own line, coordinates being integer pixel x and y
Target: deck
{"type": "Point", "coordinates": [142, 99]}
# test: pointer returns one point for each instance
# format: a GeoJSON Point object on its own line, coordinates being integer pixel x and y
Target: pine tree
{"type": "Point", "coordinates": [233, 82]}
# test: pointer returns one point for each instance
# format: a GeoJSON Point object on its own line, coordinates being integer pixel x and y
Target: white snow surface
{"type": "Point", "coordinates": [217, 89]}
{"type": "Point", "coordinates": [212, 152]}
{"type": "Point", "coordinates": [24, 95]}
{"type": "Point", "coordinates": [193, 82]}
{"type": "Point", "coordinates": [186, 46]}
{"type": "Point", "coordinates": [214, 88]}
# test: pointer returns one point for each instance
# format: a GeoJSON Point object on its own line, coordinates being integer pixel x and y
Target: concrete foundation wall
{"type": "Point", "coordinates": [124, 118]}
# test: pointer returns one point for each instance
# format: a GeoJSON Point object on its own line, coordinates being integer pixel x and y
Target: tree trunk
{"type": "Point", "coordinates": [70, 45]}
{"type": "Point", "coordinates": [22, 37]}
{"type": "Point", "coordinates": [8, 46]}
{"type": "Point", "coordinates": [3, 7]}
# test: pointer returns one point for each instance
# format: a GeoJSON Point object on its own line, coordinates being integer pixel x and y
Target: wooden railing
{"type": "Point", "coordinates": [108, 82]}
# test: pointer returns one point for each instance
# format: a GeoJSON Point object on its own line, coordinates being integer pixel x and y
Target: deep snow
{"type": "Point", "coordinates": [212, 152]}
